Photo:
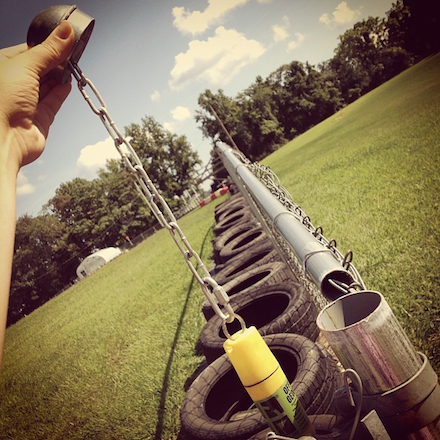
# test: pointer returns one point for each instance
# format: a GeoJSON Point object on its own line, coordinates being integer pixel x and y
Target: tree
{"type": "Point", "coordinates": [168, 159]}
{"type": "Point", "coordinates": [271, 111]}
{"type": "Point", "coordinates": [302, 97]}
{"type": "Point", "coordinates": [369, 54]}
{"type": "Point", "coordinates": [259, 117]}
{"type": "Point", "coordinates": [125, 209]}
{"type": "Point", "coordinates": [229, 112]}
{"type": "Point", "coordinates": [356, 56]}
{"type": "Point", "coordinates": [398, 27]}
{"type": "Point", "coordinates": [37, 274]}
{"type": "Point", "coordinates": [101, 212]}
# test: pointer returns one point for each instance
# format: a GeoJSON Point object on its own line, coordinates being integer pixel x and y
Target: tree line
{"type": "Point", "coordinates": [84, 216]}
{"type": "Point", "coordinates": [297, 96]}
{"type": "Point", "coordinates": [88, 215]}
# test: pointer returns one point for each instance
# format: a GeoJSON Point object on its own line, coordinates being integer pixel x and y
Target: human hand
{"type": "Point", "coordinates": [31, 96]}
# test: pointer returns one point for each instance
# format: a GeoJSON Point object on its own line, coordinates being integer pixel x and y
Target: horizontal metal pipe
{"type": "Point", "coordinates": [319, 261]}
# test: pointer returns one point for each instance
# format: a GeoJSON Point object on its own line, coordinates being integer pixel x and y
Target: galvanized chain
{"type": "Point", "coordinates": [272, 182]}
{"type": "Point", "coordinates": [215, 294]}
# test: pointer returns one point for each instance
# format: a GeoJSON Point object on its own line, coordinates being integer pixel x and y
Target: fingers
{"type": "Point", "coordinates": [53, 51]}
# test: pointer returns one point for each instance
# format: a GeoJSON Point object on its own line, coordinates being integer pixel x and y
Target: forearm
{"type": "Point", "coordinates": [8, 176]}
{"type": "Point", "coordinates": [28, 107]}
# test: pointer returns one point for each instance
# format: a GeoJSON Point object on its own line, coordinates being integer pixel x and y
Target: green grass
{"type": "Point", "coordinates": [370, 176]}
{"type": "Point", "coordinates": [110, 357]}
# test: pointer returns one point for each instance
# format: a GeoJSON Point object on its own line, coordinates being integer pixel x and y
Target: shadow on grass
{"type": "Point", "coordinates": [166, 378]}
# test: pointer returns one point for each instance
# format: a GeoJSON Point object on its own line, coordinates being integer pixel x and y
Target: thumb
{"type": "Point", "coordinates": [53, 51]}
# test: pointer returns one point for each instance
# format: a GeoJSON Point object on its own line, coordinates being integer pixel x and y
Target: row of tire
{"type": "Point", "coordinates": [265, 293]}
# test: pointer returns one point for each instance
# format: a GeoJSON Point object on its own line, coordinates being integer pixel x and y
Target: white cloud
{"type": "Point", "coordinates": [155, 96]}
{"type": "Point", "coordinates": [267, 2]}
{"type": "Point", "coordinates": [197, 22]}
{"type": "Point", "coordinates": [93, 157]}
{"type": "Point", "coordinates": [341, 16]}
{"type": "Point", "coordinates": [325, 19]}
{"type": "Point", "coordinates": [279, 31]}
{"type": "Point", "coordinates": [216, 60]}
{"type": "Point", "coordinates": [299, 38]}
{"type": "Point", "coordinates": [181, 113]}
{"type": "Point", "coordinates": [23, 185]}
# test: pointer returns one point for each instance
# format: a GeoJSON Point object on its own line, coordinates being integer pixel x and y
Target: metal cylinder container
{"type": "Point", "coordinates": [398, 383]}
{"type": "Point", "coordinates": [366, 336]}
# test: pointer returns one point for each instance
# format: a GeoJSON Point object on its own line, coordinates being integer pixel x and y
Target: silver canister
{"type": "Point", "coordinates": [366, 336]}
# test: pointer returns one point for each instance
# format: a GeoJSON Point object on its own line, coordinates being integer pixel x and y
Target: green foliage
{"type": "Point", "coordinates": [298, 96]}
{"type": "Point", "coordinates": [398, 25]}
{"type": "Point", "coordinates": [271, 111]}
{"type": "Point", "coordinates": [366, 58]}
{"type": "Point", "coordinates": [168, 159]}
{"type": "Point", "coordinates": [302, 97]}
{"type": "Point", "coordinates": [39, 251]}
{"type": "Point", "coordinates": [87, 215]}
{"type": "Point", "coordinates": [229, 112]}
{"type": "Point", "coordinates": [99, 213]}
{"type": "Point", "coordinates": [259, 118]}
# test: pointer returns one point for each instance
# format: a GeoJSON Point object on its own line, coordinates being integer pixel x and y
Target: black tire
{"type": "Point", "coordinates": [256, 256]}
{"type": "Point", "coordinates": [217, 406]}
{"type": "Point", "coordinates": [280, 308]}
{"type": "Point", "coordinates": [265, 275]}
{"type": "Point", "coordinates": [241, 216]}
{"type": "Point", "coordinates": [229, 235]}
{"type": "Point", "coordinates": [242, 243]}
{"type": "Point", "coordinates": [332, 382]}
{"type": "Point", "coordinates": [230, 208]}
{"type": "Point", "coordinates": [232, 211]}
{"type": "Point", "coordinates": [229, 202]}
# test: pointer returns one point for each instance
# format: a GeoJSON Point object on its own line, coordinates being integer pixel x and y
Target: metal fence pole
{"type": "Point", "coordinates": [318, 260]}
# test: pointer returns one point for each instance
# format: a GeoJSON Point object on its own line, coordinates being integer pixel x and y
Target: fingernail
{"type": "Point", "coordinates": [63, 30]}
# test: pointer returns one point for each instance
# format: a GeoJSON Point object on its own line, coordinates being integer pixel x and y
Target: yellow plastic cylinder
{"type": "Point", "coordinates": [266, 383]}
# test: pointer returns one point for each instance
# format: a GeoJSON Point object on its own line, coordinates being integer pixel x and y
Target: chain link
{"type": "Point", "coordinates": [214, 293]}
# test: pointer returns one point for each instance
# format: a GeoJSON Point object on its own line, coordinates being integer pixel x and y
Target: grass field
{"type": "Point", "coordinates": [370, 176]}
{"type": "Point", "coordinates": [110, 357]}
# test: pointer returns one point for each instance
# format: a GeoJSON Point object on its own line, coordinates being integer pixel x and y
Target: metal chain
{"type": "Point", "coordinates": [214, 293]}
{"type": "Point", "coordinates": [272, 182]}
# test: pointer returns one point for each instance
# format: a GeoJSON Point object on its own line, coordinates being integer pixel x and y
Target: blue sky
{"type": "Point", "coordinates": [154, 58]}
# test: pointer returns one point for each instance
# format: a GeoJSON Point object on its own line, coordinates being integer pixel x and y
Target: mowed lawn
{"type": "Point", "coordinates": [110, 358]}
